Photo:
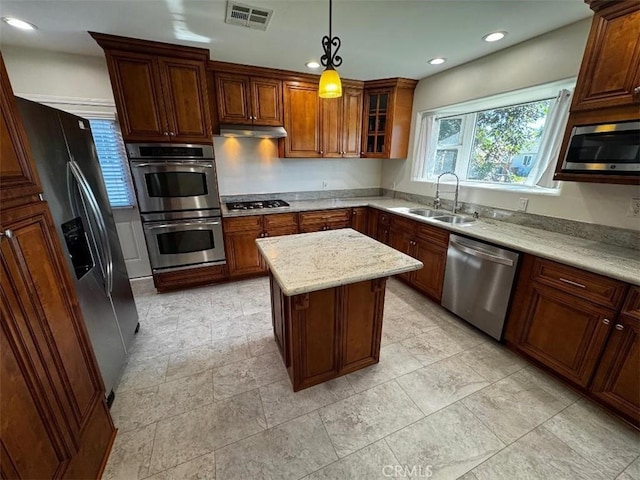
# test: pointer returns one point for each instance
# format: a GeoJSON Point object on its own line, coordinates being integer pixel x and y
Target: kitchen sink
{"type": "Point", "coordinates": [455, 219]}
{"type": "Point", "coordinates": [425, 212]}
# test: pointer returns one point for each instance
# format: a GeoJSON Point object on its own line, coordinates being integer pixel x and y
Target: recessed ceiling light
{"type": "Point", "coordinates": [312, 64]}
{"type": "Point", "coordinates": [437, 61]}
{"type": "Point", "coordinates": [17, 23]}
{"type": "Point", "coordinates": [494, 37]}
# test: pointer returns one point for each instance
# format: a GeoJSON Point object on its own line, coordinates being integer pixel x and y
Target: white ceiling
{"type": "Point", "coordinates": [380, 38]}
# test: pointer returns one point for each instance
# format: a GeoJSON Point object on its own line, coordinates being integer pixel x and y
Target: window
{"type": "Point", "coordinates": [113, 162]}
{"type": "Point", "coordinates": [508, 141]}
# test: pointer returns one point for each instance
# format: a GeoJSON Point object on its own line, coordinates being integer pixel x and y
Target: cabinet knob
{"type": "Point", "coordinates": [166, 134]}
{"type": "Point", "coordinates": [606, 321]}
{"type": "Point", "coordinates": [321, 152]}
{"type": "Point", "coordinates": [171, 134]}
{"type": "Point", "coordinates": [7, 233]}
{"type": "Point", "coordinates": [636, 91]}
{"type": "Point", "coordinates": [619, 326]}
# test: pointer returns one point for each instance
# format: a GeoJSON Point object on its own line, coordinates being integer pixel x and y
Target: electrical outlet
{"type": "Point", "coordinates": [522, 204]}
{"type": "Point", "coordinates": [634, 208]}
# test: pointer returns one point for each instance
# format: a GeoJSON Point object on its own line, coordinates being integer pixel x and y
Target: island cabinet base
{"type": "Point", "coordinates": [328, 333]}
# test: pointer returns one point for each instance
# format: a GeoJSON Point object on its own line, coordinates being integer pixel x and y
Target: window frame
{"type": "Point", "coordinates": [424, 149]}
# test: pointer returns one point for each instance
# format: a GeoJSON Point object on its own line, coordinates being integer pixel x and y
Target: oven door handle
{"type": "Point", "coordinates": [180, 224]}
{"type": "Point", "coordinates": [171, 164]}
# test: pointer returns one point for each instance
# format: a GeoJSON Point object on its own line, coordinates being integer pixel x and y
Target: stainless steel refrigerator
{"type": "Point", "coordinates": [72, 183]}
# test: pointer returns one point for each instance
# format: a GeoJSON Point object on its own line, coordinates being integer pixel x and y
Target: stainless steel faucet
{"type": "Point", "coordinates": [437, 202]}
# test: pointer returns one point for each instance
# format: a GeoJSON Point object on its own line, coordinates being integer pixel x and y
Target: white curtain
{"type": "Point", "coordinates": [423, 148]}
{"type": "Point", "coordinates": [541, 174]}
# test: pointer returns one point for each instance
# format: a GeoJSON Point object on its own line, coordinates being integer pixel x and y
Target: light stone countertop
{"type": "Point", "coordinates": [609, 260]}
{"type": "Point", "coordinates": [307, 262]}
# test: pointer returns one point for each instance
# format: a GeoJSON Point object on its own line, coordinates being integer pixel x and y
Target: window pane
{"type": "Point", "coordinates": [449, 132]}
{"type": "Point", "coordinates": [445, 161]}
{"type": "Point", "coordinates": [113, 161]}
{"type": "Point", "coordinates": [503, 138]}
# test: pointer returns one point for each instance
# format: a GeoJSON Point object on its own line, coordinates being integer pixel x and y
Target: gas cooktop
{"type": "Point", "coordinates": [256, 205]}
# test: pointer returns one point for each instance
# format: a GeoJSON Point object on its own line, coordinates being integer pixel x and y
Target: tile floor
{"type": "Point", "coordinates": [205, 395]}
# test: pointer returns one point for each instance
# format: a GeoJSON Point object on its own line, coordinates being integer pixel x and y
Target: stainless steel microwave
{"type": "Point", "coordinates": [609, 148]}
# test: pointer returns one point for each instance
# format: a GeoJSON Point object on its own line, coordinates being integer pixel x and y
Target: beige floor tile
{"type": "Point", "coordinates": [201, 468]}
{"type": "Point", "coordinates": [441, 384]}
{"type": "Point", "coordinates": [448, 443]}
{"type": "Point", "coordinates": [437, 344]}
{"type": "Point", "coordinates": [364, 418]}
{"type": "Point", "coordinates": [538, 455]}
{"type": "Point", "coordinates": [131, 454]}
{"type": "Point", "coordinates": [492, 360]}
{"type": "Point", "coordinates": [288, 451]}
{"type": "Point", "coordinates": [395, 360]}
{"type": "Point", "coordinates": [149, 345]}
{"type": "Point", "coordinates": [596, 435]}
{"type": "Point", "coordinates": [375, 461]}
{"type": "Point", "coordinates": [221, 351]}
{"type": "Point", "coordinates": [281, 403]}
{"type": "Point", "coordinates": [517, 404]}
{"type": "Point", "coordinates": [248, 374]}
{"type": "Point", "coordinates": [632, 472]}
{"type": "Point", "coordinates": [144, 374]}
{"type": "Point", "coordinates": [261, 342]}
{"type": "Point", "coordinates": [201, 431]}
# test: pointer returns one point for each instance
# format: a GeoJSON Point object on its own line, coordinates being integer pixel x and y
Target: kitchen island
{"type": "Point", "coordinates": [327, 300]}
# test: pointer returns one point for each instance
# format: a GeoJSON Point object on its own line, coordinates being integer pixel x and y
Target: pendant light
{"type": "Point", "coordinates": [330, 84]}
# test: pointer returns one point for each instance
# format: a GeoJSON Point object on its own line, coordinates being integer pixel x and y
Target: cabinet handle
{"type": "Point", "coordinates": [636, 91]}
{"type": "Point", "coordinates": [570, 282]}
{"type": "Point", "coordinates": [7, 233]}
{"type": "Point", "coordinates": [619, 326]}
{"type": "Point", "coordinates": [606, 321]}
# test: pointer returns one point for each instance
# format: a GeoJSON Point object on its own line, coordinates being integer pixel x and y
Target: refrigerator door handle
{"type": "Point", "coordinates": [93, 204]}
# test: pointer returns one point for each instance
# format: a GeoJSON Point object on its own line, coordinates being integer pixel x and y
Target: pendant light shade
{"type": "Point", "coordinates": [330, 83]}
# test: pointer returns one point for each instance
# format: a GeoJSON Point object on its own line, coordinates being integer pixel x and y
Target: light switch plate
{"type": "Point", "coordinates": [522, 204]}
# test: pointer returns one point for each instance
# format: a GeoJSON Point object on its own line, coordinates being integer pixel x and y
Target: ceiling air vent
{"type": "Point", "coordinates": [248, 16]}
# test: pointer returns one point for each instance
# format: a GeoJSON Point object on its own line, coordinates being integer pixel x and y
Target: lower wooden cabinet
{"type": "Point", "coordinates": [243, 257]}
{"type": "Point", "coordinates": [617, 380]}
{"type": "Point", "coordinates": [328, 333]}
{"type": "Point", "coordinates": [192, 277]}
{"type": "Point", "coordinates": [430, 278]}
{"type": "Point", "coordinates": [360, 219]}
{"type": "Point", "coordinates": [52, 403]}
{"type": "Point", "coordinates": [319, 220]}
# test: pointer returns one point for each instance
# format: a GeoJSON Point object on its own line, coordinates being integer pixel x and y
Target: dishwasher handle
{"type": "Point", "coordinates": [485, 256]}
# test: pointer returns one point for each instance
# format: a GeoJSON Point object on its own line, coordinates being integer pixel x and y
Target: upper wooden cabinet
{"type": "Point", "coordinates": [160, 90]}
{"type": "Point", "coordinates": [608, 85]}
{"type": "Point", "coordinates": [301, 121]}
{"type": "Point", "coordinates": [248, 100]}
{"type": "Point", "coordinates": [610, 72]}
{"type": "Point", "coordinates": [321, 127]}
{"type": "Point", "coordinates": [387, 118]}
{"type": "Point", "coordinates": [17, 174]}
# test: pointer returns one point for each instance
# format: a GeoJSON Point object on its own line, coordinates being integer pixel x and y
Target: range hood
{"type": "Point", "coordinates": [251, 131]}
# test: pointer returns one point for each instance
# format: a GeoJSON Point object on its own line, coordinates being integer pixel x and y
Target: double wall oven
{"type": "Point", "coordinates": [179, 204]}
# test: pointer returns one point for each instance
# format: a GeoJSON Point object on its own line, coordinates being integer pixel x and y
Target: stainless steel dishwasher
{"type": "Point", "coordinates": [477, 283]}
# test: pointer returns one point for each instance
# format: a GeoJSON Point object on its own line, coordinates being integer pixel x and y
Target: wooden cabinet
{"type": "Point", "coordinates": [341, 124]}
{"type": "Point", "coordinates": [360, 219]}
{"type": "Point", "coordinates": [610, 72]}
{"type": "Point", "coordinates": [52, 403]}
{"type": "Point", "coordinates": [318, 220]}
{"type": "Point", "coordinates": [327, 127]}
{"type": "Point", "coordinates": [301, 121]}
{"type": "Point", "coordinates": [608, 85]}
{"type": "Point", "coordinates": [387, 118]}
{"type": "Point", "coordinates": [562, 316]}
{"type": "Point", "coordinates": [328, 333]}
{"type": "Point", "coordinates": [617, 380]}
{"type": "Point", "coordinates": [160, 90]}
{"type": "Point", "coordinates": [425, 243]}
{"type": "Point", "coordinates": [18, 175]}
{"type": "Point", "coordinates": [247, 100]}
{"type": "Point", "coordinates": [240, 234]}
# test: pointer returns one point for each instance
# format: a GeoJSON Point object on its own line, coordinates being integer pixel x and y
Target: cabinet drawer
{"type": "Point", "coordinates": [280, 220]}
{"type": "Point", "coordinates": [243, 224]}
{"type": "Point", "coordinates": [385, 218]}
{"type": "Point", "coordinates": [325, 216]}
{"type": "Point", "coordinates": [434, 235]}
{"type": "Point", "coordinates": [632, 303]}
{"type": "Point", "coordinates": [401, 223]}
{"type": "Point", "coordinates": [589, 286]}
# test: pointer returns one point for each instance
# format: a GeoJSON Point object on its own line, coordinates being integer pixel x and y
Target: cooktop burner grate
{"type": "Point", "coordinates": [258, 205]}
